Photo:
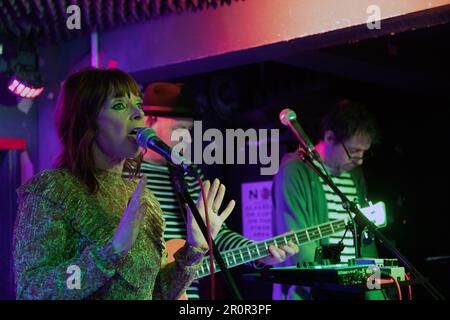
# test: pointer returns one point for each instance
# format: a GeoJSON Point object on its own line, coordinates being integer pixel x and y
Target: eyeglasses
{"type": "Point", "coordinates": [367, 155]}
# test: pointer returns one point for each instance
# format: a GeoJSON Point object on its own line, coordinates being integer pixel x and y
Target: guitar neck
{"type": "Point", "coordinates": [257, 250]}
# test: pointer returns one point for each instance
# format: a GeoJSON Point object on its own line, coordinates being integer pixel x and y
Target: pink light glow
{"type": "Point", "coordinates": [31, 93]}
{"type": "Point", "coordinates": [25, 92]}
{"type": "Point", "coordinates": [21, 89]}
{"type": "Point", "coordinates": [112, 63]}
{"type": "Point", "coordinates": [38, 91]}
{"type": "Point", "coordinates": [13, 85]}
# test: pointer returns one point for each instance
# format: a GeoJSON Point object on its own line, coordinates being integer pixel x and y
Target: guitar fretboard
{"type": "Point", "coordinates": [257, 250]}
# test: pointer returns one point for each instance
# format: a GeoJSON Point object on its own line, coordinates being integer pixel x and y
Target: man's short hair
{"type": "Point", "coordinates": [348, 118]}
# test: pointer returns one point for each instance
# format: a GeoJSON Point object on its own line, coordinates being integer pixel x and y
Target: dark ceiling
{"type": "Point", "coordinates": [45, 20]}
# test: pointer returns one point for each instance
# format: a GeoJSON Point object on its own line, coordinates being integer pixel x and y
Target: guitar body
{"type": "Point", "coordinates": [173, 245]}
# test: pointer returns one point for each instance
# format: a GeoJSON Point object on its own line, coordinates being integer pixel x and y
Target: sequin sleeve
{"type": "Point", "coordinates": [47, 263]}
{"type": "Point", "coordinates": [175, 277]}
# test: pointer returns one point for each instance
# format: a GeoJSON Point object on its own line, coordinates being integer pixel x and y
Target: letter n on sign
{"type": "Point", "coordinates": [257, 210]}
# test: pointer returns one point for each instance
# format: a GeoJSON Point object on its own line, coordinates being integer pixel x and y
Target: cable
{"type": "Point", "coordinates": [211, 256]}
{"type": "Point", "coordinates": [399, 290]}
{"type": "Point", "coordinates": [345, 232]}
{"type": "Point", "coordinates": [408, 278]}
{"type": "Point", "coordinates": [355, 236]}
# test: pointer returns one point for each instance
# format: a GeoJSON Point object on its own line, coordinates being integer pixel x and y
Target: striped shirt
{"type": "Point", "coordinates": [159, 182]}
{"type": "Point", "coordinates": [346, 184]}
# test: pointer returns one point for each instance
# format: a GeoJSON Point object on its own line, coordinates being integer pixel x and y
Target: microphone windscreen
{"type": "Point", "coordinates": [287, 115]}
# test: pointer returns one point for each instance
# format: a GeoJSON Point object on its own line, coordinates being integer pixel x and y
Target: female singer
{"type": "Point", "coordinates": [84, 231]}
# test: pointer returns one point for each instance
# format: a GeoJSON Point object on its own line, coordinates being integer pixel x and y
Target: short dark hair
{"type": "Point", "coordinates": [348, 118]}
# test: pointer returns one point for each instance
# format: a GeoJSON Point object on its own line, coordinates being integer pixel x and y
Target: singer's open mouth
{"type": "Point", "coordinates": [134, 131]}
{"type": "Point", "coordinates": [132, 135]}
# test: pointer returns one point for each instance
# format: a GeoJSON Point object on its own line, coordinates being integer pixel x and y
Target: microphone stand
{"type": "Point", "coordinates": [362, 222]}
{"type": "Point", "coordinates": [186, 198]}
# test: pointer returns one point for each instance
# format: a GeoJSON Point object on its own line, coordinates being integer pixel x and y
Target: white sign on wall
{"type": "Point", "coordinates": [257, 210]}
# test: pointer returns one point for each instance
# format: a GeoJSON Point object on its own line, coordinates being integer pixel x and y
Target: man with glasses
{"type": "Point", "coordinates": [302, 199]}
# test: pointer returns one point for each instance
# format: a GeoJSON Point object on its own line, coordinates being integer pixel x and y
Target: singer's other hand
{"type": "Point", "coordinates": [128, 228]}
{"type": "Point", "coordinates": [214, 198]}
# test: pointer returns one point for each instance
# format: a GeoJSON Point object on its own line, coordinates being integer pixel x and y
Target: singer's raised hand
{"type": "Point", "coordinates": [128, 228]}
{"type": "Point", "coordinates": [214, 198]}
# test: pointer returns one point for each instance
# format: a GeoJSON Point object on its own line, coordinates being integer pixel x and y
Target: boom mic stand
{"type": "Point", "coordinates": [362, 222]}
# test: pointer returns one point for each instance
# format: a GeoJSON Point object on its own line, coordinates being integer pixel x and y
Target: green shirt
{"type": "Point", "coordinates": [299, 202]}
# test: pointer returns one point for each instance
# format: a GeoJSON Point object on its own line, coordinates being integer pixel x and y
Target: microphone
{"type": "Point", "coordinates": [147, 138]}
{"type": "Point", "coordinates": [289, 118]}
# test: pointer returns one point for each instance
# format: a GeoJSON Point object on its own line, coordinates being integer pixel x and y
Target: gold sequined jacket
{"type": "Point", "coordinates": [63, 243]}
